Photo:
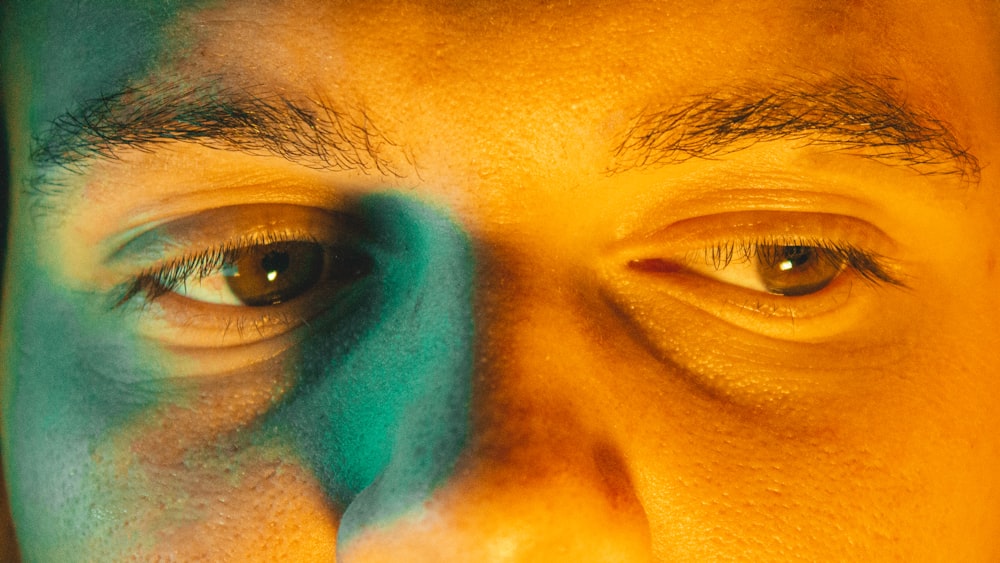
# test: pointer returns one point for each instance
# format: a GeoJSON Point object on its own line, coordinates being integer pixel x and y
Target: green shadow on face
{"type": "Point", "coordinates": [382, 410]}
{"type": "Point", "coordinates": [73, 379]}
{"type": "Point", "coordinates": [379, 411]}
{"type": "Point", "coordinates": [76, 51]}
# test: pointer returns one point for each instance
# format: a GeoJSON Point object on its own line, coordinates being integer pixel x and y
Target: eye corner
{"type": "Point", "coordinates": [655, 265]}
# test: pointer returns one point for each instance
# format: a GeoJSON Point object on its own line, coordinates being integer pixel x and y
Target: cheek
{"type": "Point", "coordinates": [248, 501]}
{"type": "Point", "coordinates": [72, 381]}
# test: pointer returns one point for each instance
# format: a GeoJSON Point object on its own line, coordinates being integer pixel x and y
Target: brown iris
{"type": "Point", "coordinates": [796, 270]}
{"type": "Point", "coordinates": [274, 273]}
{"type": "Point", "coordinates": [279, 272]}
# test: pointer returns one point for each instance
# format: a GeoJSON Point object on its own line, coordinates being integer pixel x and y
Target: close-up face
{"type": "Point", "coordinates": [502, 281]}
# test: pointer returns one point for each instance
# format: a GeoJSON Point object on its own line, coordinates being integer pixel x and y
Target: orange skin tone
{"type": "Point", "coordinates": [615, 416]}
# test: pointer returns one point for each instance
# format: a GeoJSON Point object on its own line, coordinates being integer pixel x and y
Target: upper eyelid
{"type": "Point", "coordinates": [695, 234]}
{"type": "Point", "coordinates": [235, 225]}
{"type": "Point", "coordinates": [724, 251]}
{"type": "Point", "coordinates": [869, 265]}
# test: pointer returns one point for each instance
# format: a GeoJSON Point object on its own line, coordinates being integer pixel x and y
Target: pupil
{"type": "Point", "coordinates": [796, 256]}
{"type": "Point", "coordinates": [275, 262]}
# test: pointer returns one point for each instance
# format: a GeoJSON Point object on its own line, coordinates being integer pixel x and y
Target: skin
{"type": "Point", "coordinates": [504, 385]}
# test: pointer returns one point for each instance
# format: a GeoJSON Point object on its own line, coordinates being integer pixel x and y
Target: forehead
{"type": "Point", "coordinates": [541, 54]}
{"type": "Point", "coordinates": [493, 50]}
{"type": "Point", "coordinates": [473, 88]}
{"type": "Point", "coordinates": [562, 69]}
{"type": "Point", "coordinates": [515, 93]}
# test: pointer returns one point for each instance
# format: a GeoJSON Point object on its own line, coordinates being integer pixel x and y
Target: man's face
{"type": "Point", "coordinates": [520, 281]}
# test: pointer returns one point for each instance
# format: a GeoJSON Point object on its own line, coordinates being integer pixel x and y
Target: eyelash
{"type": "Point", "coordinates": [870, 266]}
{"type": "Point", "coordinates": [158, 281]}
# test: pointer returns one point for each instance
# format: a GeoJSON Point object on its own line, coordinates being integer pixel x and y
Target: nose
{"type": "Point", "coordinates": [541, 477]}
{"type": "Point", "coordinates": [569, 503]}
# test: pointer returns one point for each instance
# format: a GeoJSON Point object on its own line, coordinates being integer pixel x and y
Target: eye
{"type": "Point", "coordinates": [267, 274]}
{"type": "Point", "coordinates": [259, 276]}
{"type": "Point", "coordinates": [747, 280]}
{"type": "Point", "coordinates": [232, 276]}
{"type": "Point", "coordinates": [795, 269]}
{"type": "Point", "coordinates": [253, 273]}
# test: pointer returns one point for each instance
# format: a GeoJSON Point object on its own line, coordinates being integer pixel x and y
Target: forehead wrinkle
{"type": "Point", "coordinates": [853, 116]}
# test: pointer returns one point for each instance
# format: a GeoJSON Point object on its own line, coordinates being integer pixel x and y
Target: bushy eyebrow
{"type": "Point", "coordinates": [849, 115]}
{"type": "Point", "coordinates": [312, 132]}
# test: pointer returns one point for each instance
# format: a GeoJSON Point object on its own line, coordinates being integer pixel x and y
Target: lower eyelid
{"type": "Point", "coordinates": [179, 322]}
{"type": "Point", "coordinates": [844, 303]}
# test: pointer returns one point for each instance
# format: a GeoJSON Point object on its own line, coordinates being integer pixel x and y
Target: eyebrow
{"type": "Point", "coordinates": [854, 116]}
{"type": "Point", "coordinates": [312, 132]}
{"type": "Point", "coordinates": [849, 115]}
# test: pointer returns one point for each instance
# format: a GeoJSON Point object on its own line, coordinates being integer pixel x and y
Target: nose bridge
{"type": "Point", "coordinates": [538, 476]}
{"type": "Point", "coordinates": [532, 359]}
{"type": "Point", "coordinates": [539, 381]}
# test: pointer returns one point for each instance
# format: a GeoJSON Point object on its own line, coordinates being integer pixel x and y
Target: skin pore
{"type": "Point", "coordinates": [540, 330]}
